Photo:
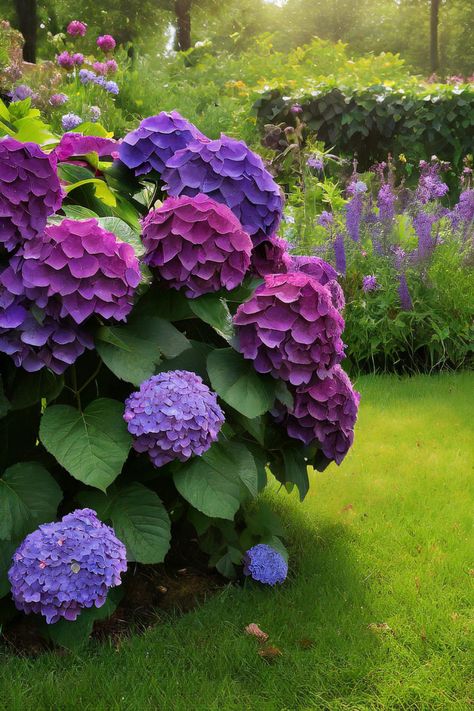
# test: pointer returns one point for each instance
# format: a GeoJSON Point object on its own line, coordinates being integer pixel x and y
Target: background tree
{"type": "Point", "coordinates": [27, 23]}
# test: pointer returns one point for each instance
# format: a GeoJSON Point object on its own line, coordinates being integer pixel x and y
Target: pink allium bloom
{"type": "Point", "coordinates": [112, 66]}
{"type": "Point", "coordinates": [290, 328]}
{"type": "Point", "coordinates": [106, 43]}
{"type": "Point", "coordinates": [196, 243]}
{"type": "Point", "coordinates": [100, 68]}
{"type": "Point", "coordinates": [76, 28]}
{"type": "Point", "coordinates": [78, 59]}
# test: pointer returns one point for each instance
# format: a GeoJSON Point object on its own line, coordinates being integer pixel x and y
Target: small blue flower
{"type": "Point", "coordinates": [265, 564]}
{"type": "Point", "coordinates": [86, 76]}
{"type": "Point", "coordinates": [111, 87]}
{"type": "Point", "coordinates": [70, 121]}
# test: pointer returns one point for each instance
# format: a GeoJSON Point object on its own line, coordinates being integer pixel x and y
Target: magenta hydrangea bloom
{"type": "Point", "coordinates": [85, 268]}
{"type": "Point", "coordinates": [290, 328]}
{"type": "Point", "coordinates": [40, 339]}
{"type": "Point", "coordinates": [29, 191]}
{"type": "Point", "coordinates": [65, 60]}
{"type": "Point", "coordinates": [156, 139]}
{"type": "Point", "coordinates": [62, 568]}
{"type": "Point", "coordinates": [325, 413]}
{"type": "Point", "coordinates": [106, 43]}
{"type": "Point", "coordinates": [315, 267]}
{"type": "Point", "coordinates": [265, 564]}
{"type": "Point", "coordinates": [76, 28]}
{"type": "Point", "coordinates": [172, 416]}
{"type": "Point", "coordinates": [75, 144]}
{"type": "Point", "coordinates": [271, 257]}
{"type": "Point", "coordinates": [196, 244]}
{"type": "Point", "coordinates": [229, 172]}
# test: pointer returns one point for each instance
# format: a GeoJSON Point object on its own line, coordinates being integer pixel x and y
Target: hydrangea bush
{"type": "Point", "coordinates": [162, 356]}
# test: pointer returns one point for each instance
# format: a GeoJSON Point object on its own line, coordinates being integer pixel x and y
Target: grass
{"type": "Point", "coordinates": [386, 538]}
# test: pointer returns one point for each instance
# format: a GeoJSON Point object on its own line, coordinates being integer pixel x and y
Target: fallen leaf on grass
{"type": "Point", "coordinates": [306, 643]}
{"type": "Point", "coordinates": [270, 654]}
{"type": "Point", "coordinates": [379, 627]}
{"type": "Point", "coordinates": [254, 631]}
{"type": "Point", "coordinates": [423, 634]}
{"type": "Point", "coordinates": [347, 507]}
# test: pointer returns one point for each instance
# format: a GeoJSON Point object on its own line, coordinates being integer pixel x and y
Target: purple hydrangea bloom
{"type": "Point", "coordinates": [76, 28]}
{"type": "Point", "coordinates": [21, 92]}
{"type": "Point", "coordinates": [265, 564]}
{"type": "Point", "coordinates": [174, 415]}
{"type": "Point", "coordinates": [62, 568]}
{"type": "Point", "coordinates": [196, 243]}
{"type": "Point", "coordinates": [155, 140]}
{"type": "Point", "coordinates": [58, 99]}
{"type": "Point", "coordinates": [271, 257]}
{"type": "Point", "coordinates": [75, 144]}
{"type": "Point", "coordinates": [111, 87]}
{"type": "Point", "coordinates": [65, 60]}
{"type": "Point", "coordinates": [85, 268]}
{"type": "Point", "coordinates": [29, 191]}
{"type": "Point", "coordinates": [324, 274]}
{"type": "Point", "coordinates": [290, 328]}
{"type": "Point", "coordinates": [39, 339]}
{"type": "Point", "coordinates": [86, 76]}
{"type": "Point", "coordinates": [106, 43]}
{"type": "Point", "coordinates": [340, 253]}
{"type": "Point", "coordinates": [325, 413]}
{"type": "Point", "coordinates": [369, 283]}
{"type": "Point", "coordinates": [326, 219]}
{"type": "Point", "coordinates": [229, 172]}
{"type": "Point", "coordinates": [404, 293]}
{"type": "Point", "coordinates": [70, 121]}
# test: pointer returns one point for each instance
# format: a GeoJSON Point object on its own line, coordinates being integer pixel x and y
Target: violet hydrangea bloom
{"type": "Point", "coordinates": [76, 28]}
{"type": "Point", "coordinates": [290, 328]}
{"type": "Point", "coordinates": [173, 415]}
{"type": "Point", "coordinates": [324, 274]}
{"type": "Point", "coordinates": [229, 172]}
{"type": "Point", "coordinates": [325, 413]}
{"type": "Point", "coordinates": [75, 144]}
{"type": "Point", "coordinates": [29, 191]}
{"type": "Point", "coordinates": [265, 564]}
{"type": "Point", "coordinates": [271, 257]}
{"type": "Point", "coordinates": [106, 43]}
{"type": "Point", "coordinates": [62, 568]}
{"type": "Point", "coordinates": [156, 139]}
{"type": "Point", "coordinates": [197, 244]}
{"type": "Point", "coordinates": [85, 268]}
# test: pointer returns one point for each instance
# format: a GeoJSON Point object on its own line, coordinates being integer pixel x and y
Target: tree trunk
{"type": "Point", "coordinates": [182, 9]}
{"type": "Point", "coordinates": [26, 11]}
{"type": "Point", "coordinates": [434, 23]}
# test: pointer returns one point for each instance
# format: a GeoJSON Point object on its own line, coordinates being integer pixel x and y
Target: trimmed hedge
{"type": "Point", "coordinates": [371, 122]}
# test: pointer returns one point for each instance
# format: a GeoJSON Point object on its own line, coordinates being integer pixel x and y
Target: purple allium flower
{"type": "Point", "coordinates": [86, 76]}
{"type": "Point", "coordinates": [229, 172]}
{"type": "Point", "coordinates": [386, 204]}
{"type": "Point", "coordinates": [58, 99]}
{"type": "Point", "coordinates": [76, 28]}
{"type": "Point", "coordinates": [423, 224]}
{"type": "Point", "coordinates": [100, 68]}
{"type": "Point", "coordinates": [315, 162]}
{"type": "Point", "coordinates": [340, 253]}
{"type": "Point", "coordinates": [111, 66]}
{"type": "Point", "coordinates": [404, 294]}
{"type": "Point", "coordinates": [36, 339]}
{"type": "Point", "coordinates": [369, 283]}
{"type": "Point", "coordinates": [196, 243]}
{"type": "Point", "coordinates": [296, 109]}
{"type": "Point", "coordinates": [85, 268]}
{"type": "Point", "coordinates": [106, 43]}
{"type": "Point", "coordinates": [326, 219]}
{"type": "Point", "coordinates": [22, 92]}
{"type": "Point", "coordinates": [75, 144]}
{"type": "Point", "coordinates": [265, 564]}
{"type": "Point", "coordinates": [271, 257]}
{"type": "Point", "coordinates": [155, 140]}
{"type": "Point", "coordinates": [111, 87]}
{"type": "Point", "coordinates": [95, 113]}
{"type": "Point", "coordinates": [65, 60]}
{"type": "Point", "coordinates": [78, 59]}
{"type": "Point", "coordinates": [173, 415]}
{"type": "Point", "coordinates": [290, 328]}
{"type": "Point", "coordinates": [70, 121]}
{"type": "Point", "coordinates": [29, 191]}
{"type": "Point", "coordinates": [325, 413]}
{"type": "Point", "coordinates": [62, 568]}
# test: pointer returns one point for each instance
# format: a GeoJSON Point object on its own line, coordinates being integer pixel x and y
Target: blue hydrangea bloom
{"type": "Point", "coordinates": [173, 416]}
{"type": "Point", "coordinates": [64, 567]}
{"type": "Point", "coordinates": [265, 564]}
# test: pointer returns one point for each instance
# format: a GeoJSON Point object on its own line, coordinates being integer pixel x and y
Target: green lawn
{"type": "Point", "coordinates": [385, 538]}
